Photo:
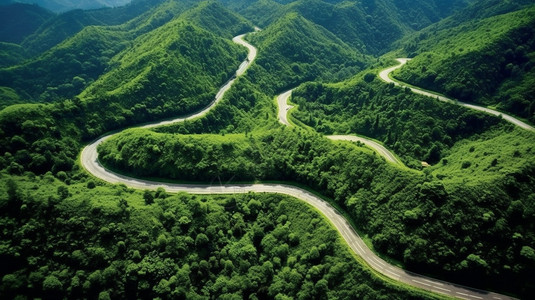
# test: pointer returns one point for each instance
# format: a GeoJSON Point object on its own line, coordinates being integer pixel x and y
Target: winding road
{"type": "Point", "coordinates": [282, 104]}
{"type": "Point", "coordinates": [385, 75]}
{"type": "Point", "coordinates": [283, 108]}
{"type": "Point", "coordinates": [89, 160]}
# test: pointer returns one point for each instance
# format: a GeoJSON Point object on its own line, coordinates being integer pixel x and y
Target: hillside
{"type": "Point", "coordinates": [17, 21]}
{"type": "Point", "coordinates": [293, 50]}
{"type": "Point", "coordinates": [66, 25]}
{"type": "Point", "coordinates": [65, 70]}
{"type": "Point", "coordinates": [460, 208]}
{"type": "Point", "coordinates": [175, 68]}
{"type": "Point", "coordinates": [66, 5]}
{"type": "Point", "coordinates": [480, 166]}
{"type": "Point", "coordinates": [212, 16]}
{"type": "Point", "coordinates": [369, 26]}
{"type": "Point", "coordinates": [488, 61]}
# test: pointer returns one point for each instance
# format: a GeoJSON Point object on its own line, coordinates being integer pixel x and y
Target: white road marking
{"type": "Point", "coordinates": [421, 282]}
{"type": "Point", "coordinates": [477, 297]}
{"type": "Point", "coordinates": [433, 282]}
{"type": "Point", "coordinates": [446, 290]}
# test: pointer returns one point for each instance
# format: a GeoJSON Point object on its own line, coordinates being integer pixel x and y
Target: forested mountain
{"type": "Point", "coordinates": [65, 5]}
{"type": "Point", "coordinates": [295, 50]}
{"type": "Point", "coordinates": [17, 21]}
{"type": "Point", "coordinates": [65, 70]}
{"type": "Point", "coordinates": [65, 25]}
{"type": "Point", "coordinates": [467, 214]}
{"type": "Point", "coordinates": [369, 26]}
{"type": "Point", "coordinates": [488, 61]}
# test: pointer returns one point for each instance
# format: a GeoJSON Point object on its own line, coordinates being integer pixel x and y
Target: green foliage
{"type": "Point", "coordinates": [212, 16]}
{"type": "Point", "coordinates": [488, 61]}
{"type": "Point", "coordinates": [416, 128]}
{"type": "Point", "coordinates": [18, 20]}
{"type": "Point", "coordinates": [293, 50]}
{"type": "Point", "coordinates": [85, 247]}
{"type": "Point", "coordinates": [68, 68]}
{"type": "Point", "coordinates": [368, 26]}
{"type": "Point", "coordinates": [59, 28]}
{"type": "Point", "coordinates": [416, 218]}
{"type": "Point", "coordinates": [11, 54]}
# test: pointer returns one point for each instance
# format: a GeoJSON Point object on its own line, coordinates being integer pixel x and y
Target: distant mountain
{"type": "Point", "coordinates": [17, 21]}
{"type": "Point", "coordinates": [212, 16]}
{"type": "Point", "coordinates": [370, 26]}
{"type": "Point", "coordinates": [294, 49]}
{"type": "Point", "coordinates": [65, 25]}
{"type": "Point", "coordinates": [66, 5]}
{"type": "Point", "coordinates": [486, 60]}
{"type": "Point", "coordinates": [66, 69]}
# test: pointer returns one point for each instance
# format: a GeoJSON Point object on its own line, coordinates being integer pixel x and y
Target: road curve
{"type": "Point", "coordinates": [387, 154]}
{"type": "Point", "coordinates": [282, 104]}
{"type": "Point", "coordinates": [385, 76]}
{"type": "Point", "coordinates": [89, 160]}
{"type": "Point", "coordinates": [283, 107]}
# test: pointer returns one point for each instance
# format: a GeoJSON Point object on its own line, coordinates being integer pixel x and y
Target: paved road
{"type": "Point", "coordinates": [283, 107]}
{"type": "Point", "coordinates": [89, 160]}
{"type": "Point", "coordinates": [385, 75]}
{"type": "Point", "coordinates": [282, 104]}
{"type": "Point", "coordinates": [387, 154]}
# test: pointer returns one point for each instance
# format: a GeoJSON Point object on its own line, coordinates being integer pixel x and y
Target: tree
{"type": "Point", "coordinates": [52, 286]}
{"type": "Point", "coordinates": [148, 197]}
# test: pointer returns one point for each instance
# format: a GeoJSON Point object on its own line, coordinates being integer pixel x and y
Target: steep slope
{"type": "Point", "coordinates": [20, 20]}
{"type": "Point", "coordinates": [370, 26]}
{"type": "Point", "coordinates": [172, 70]}
{"type": "Point", "coordinates": [65, 25]}
{"type": "Point", "coordinates": [65, 70]}
{"type": "Point", "coordinates": [488, 61]}
{"type": "Point", "coordinates": [293, 50]}
{"type": "Point", "coordinates": [212, 16]}
{"type": "Point", "coordinates": [65, 5]}
{"type": "Point", "coordinates": [11, 54]}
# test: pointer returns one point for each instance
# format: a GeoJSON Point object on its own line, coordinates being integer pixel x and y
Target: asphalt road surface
{"type": "Point", "coordinates": [282, 104]}
{"type": "Point", "coordinates": [385, 75]}
{"type": "Point", "coordinates": [283, 108]}
{"type": "Point", "coordinates": [389, 156]}
{"type": "Point", "coordinates": [89, 160]}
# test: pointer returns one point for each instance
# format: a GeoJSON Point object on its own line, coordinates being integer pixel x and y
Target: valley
{"type": "Point", "coordinates": [292, 161]}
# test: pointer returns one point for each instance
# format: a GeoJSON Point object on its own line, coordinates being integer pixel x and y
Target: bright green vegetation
{"type": "Point", "coordinates": [169, 71]}
{"type": "Point", "coordinates": [368, 26]}
{"type": "Point", "coordinates": [66, 25]}
{"type": "Point", "coordinates": [64, 71]}
{"type": "Point", "coordinates": [468, 218]}
{"type": "Point", "coordinates": [488, 61]}
{"type": "Point", "coordinates": [82, 240]}
{"type": "Point", "coordinates": [244, 109]}
{"type": "Point", "coordinates": [405, 213]}
{"type": "Point", "coordinates": [69, 68]}
{"type": "Point", "coordinates": [416, 128]}
{"type": "Point", "coordinates": [293, 50]}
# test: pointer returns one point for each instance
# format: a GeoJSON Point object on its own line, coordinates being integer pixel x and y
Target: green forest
{"type": "Point", "coordinates": [69, 237]}
{"type": "Point", "coordinates": [461, 208]}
